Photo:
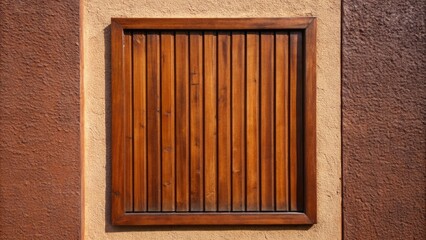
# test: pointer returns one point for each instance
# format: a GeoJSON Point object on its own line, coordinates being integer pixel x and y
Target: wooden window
{"type": "Point", "coordinates": [213, 121]}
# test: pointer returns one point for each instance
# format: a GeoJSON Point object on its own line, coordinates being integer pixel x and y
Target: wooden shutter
{"type": "Point", "coordinates": [213, 121]}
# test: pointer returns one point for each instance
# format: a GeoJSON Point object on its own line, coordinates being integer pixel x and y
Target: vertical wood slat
{"type": "Point", "coordinates": [139, 122]}
{"type": "Point", "coordinates": [238, 121]}
{"type": "Point", "coordinates": [267, 121]}
{"type": "Point", "coordinates": [153, 122]}
{"type": "Point", "coordinates": [301, 124]}
{"type": "Point", "coordinates": [128, 112]}
{"type": "Point", "coordinates": [296, 122]}
{"type": "Point", "coordinates": [182, 121]}
{"type": "Point", "coordinates": [253, 120]}
{"type": "Point", "coordinates": [168, 121]}
{"type": "Point", "coordinates": [196, 120]}
{"type": "Point", "coordinates": [210, 121]}
{"type": "Point", "coordinates": [224, 122]}
{"type": "Point", "coordinates": [281, 121]}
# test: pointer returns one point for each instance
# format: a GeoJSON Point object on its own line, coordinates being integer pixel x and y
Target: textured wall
{"type": "Point", "coordinates": [39, 120]}
{"type": "Point", "coordinates": [384, 109]}
{"type": "Point", "coordinates": [97, 17]}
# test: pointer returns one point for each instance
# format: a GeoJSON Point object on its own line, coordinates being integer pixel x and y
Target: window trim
{"type": "Point", "coordinates": [118, 213]}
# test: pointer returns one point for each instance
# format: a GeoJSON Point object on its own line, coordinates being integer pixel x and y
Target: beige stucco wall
{"type": "Point", "coordinates": [97, 17]}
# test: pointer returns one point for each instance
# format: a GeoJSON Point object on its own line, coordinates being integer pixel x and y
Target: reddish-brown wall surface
{"type": "Point", "coordinates": [39, 120]}
{"type": "Point", "coordinates": [384, 106]}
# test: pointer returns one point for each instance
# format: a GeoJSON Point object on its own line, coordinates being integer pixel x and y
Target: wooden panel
{"type": "Point", "coordinates": [296, 122]}
{"type": "Point", "coordinates": [216, 127]}
{"type": "Point", "coordinates": [281, 121]}
{"type": "Point", "coordinates": [154, 122]}
{"type": "Point", "coordinates": [182, 121]}
{"type": "Point", "coordinates": [214, 23]}
{"type": "Point", "coordinates": [310, 111]}
{"type": "Point", "coordinates": [139, 121]}
{"type": "Point", "coordinates": [216, 218]}
{"type": "Point", "coordinates": [238, 121]}
{"type": "Point", "coordinates": [210, 123]}
{"type": "Point", "coordinates": [168, 121]}
{"type": "Point", "coordinates": [309, 101]}
{"type": "Point", "coordinates": [267, 120]}
{"type": "Point", "coordinates": [253, 122]}
{"type": "Point", "coordinates": [224, 121]}
{"type": "Point", "coordinates": [196, 120]}
{"type": "Point", "coordinates": [118, 138]}
{"type": "Point", "coordinates": [128, 115]}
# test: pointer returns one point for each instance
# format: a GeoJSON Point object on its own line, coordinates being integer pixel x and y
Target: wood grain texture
{"type": "Point", "coordinates": [238, 121]}
{"type": "Point", "coordinates": [215, 218]}
{"type": "Point", "coordinates": [296, 121]}
{"type": "Point", "coordinates": [224, 122]}
{"type": "Point", "coordinates": [182, 121]}
{"type": "Point", "coordinates": [196, 120]}
{"type": "Point", "coordinates": [210, 121]}
{"type": "Point", "coordinates": [168, 121]}
{"type": "Point", "coordinates": [139, 123]}
{"type": "Point", "coordinates": [128, 116]}
{"type": "Point", "coordinates": [214, 125]}
{"type": "Point", "coordinates": [253, 122]}
{"type": "Point", "coordinates": [267, 102]}
{"type": "Point", "coordinates": [310, 112]}
{"type": "Point", "coordinates": [154, 122]}
{"type": "Point", "coordinates": [117, 123]}
{"type": "Point", "coordinates": [214, 23]}
{"type": "Point", "coordinates": [281, 121]}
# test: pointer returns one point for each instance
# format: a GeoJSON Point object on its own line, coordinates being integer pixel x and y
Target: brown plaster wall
{"type": "Point", "coordinates": [39, 120]}
{"type": "Point", "coordinates": [384, 109]}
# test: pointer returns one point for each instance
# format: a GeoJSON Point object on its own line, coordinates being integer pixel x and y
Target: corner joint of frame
{"type": "Point", "coordinates": [312, 22]}
{"type": "Point", "coordinates": [116, 24]}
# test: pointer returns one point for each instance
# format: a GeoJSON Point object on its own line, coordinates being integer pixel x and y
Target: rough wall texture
{"type": "Point", "coordinates": [39, 120]}
{"type": "Point", "coordinates": [97, 18]}
{"type": "Point", "coordinates": [384, 109]}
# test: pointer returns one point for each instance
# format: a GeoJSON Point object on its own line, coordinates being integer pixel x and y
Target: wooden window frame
{"type": "Point", "coordinates": [119, 216]}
